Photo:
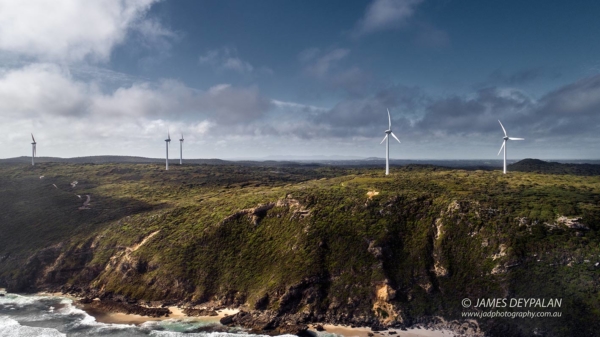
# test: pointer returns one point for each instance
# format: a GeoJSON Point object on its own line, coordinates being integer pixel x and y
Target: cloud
{"type": "Point", "coordinates": [226, 58]}
{"type": "Point", "coordinates": [297, 106]}
{"type": "Point", "coordinates": [308, 54]}
{"type": "Point", "coordinates": [520, 77]}
{"type": "Point", "coordinates": [385, 14]}
{"type": "Point", "coordinates": [47, 90]}
{"type": "Point", "coordinates": [354, 80]}
{"type": "Point", "coordinates": [72, 30]}
{"type": "Point", "coordinates": [320, 66]}
{"type": "Point", "coordinates": [570, 111]}
{"type": "Point", "coordinates": [474, 116]}
{"type": "Point", "coordinates": [28, 91]}
{"type": "Point", "coordinates": [326, 68]}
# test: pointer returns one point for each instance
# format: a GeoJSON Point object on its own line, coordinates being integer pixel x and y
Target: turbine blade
{"type": "Point", "coordinates": [384, 138]}
{"type": "Point", "coordinates": [32, 138]}
{"type": "Point", "coordinates": [393, 135]}
{"type": "Point", "coordinates": [511, 138]}
{"type": "Point", "coordinates": [503, 129]}
{"type": "Point", "coordinates": [389, 120]}
{"type": "Point", "coordinates": [501, 147]}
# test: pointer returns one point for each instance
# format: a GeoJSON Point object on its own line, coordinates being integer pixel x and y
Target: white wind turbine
{"type": "Point", "coordinates": [167, 141]}
{"type": "Point", "coordinates": [388, 132]}
{"type": "Point", "coordinates": [181, 150]}
{"type": "Point", "coordinates": [33, 153]}
{"type": "Point", "coordinates": [506, 138]}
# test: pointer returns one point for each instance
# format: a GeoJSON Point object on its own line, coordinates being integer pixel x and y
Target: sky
{"type": "Point", "coordinates": [286, 78]}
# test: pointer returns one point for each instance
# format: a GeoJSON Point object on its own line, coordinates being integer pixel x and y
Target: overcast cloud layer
{"type": "Point", "coordinates": [113, 76]}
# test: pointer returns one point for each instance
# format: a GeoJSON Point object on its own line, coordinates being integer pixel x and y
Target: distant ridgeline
{"type": "Point", "coordinates": [293, 244]}
{"type": "Point", "coordinates": [540, 166]}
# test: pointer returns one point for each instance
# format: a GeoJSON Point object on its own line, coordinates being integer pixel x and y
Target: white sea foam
{"type": "Point", "coordinates": [11, 328]}
{"type": "Point", "coordinates": [21, 300]}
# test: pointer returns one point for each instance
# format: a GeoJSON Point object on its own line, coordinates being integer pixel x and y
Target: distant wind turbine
{"type": "Point", "coordinates": [506, 138]}
{"type": "Point", "coordinates": [388, 132]}
{"type": "Point", "coordinates": [181, 150]}
{"type": "Point", "coordinates": [167, 141]}
{"type": "Point", "coordinates": [33, 152]}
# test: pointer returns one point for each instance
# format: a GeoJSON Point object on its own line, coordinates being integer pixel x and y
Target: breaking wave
{"type": "Point", "coordinates": [53, 316]}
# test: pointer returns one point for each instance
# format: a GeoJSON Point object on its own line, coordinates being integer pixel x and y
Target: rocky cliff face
{"type": "Point", "coordinates": [327, 250]}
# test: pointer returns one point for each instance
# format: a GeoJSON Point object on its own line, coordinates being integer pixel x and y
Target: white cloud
{"type": "Point", "coordinates": [297, 106]}
{"type": "Point", "coordinates": [39, 88]}
{"type": "Point", "coordinates": [226, 59]}
{"type": "Point", "coordinates": [46, 100]}
{"type": "Point", "coordinates": [385, 14]}
{"type": "Point", "coordinates": [72, 30]}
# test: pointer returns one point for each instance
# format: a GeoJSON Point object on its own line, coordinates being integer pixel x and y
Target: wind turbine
{"type": "Point", "coordinates": [167, 141]}
{"type": "Point", "coordinates": [33, 150]}
{"type": "Point", "coordinates": [181, 150]}
{"type": "Point", "coordinates": [506, 138]}
{"type": "Point", "coordinates": [388, 132]}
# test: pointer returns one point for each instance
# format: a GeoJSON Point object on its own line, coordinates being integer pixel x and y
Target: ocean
{"type": "Point", "coordinates": [50, 316]}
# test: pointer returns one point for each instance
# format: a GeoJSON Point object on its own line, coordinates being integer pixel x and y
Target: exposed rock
{"type": "Point", "coordinates": [200, 312]}
{"type": "Point", "coordinates": [116, 306]}
{"type": "Point", "coordinates": [573, 223]}
{"type": "Point", "coordinates": [226, 320]}
{"type": "Point", "coordinates": [382, 308]}
{"type": "Point", "coordinates": [86, 300]}
{"type": "Point", "coordinates": [375, 250]}
{"type": "Point", "coordinates": [266, 322]}
{"type": "Point", "coordinates": [439, 270]}
{"type": "Point", "coordinates": [501, 253]}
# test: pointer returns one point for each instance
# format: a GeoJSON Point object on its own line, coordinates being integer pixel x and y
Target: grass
{"type": "Point", "coordinates": [422, 217]}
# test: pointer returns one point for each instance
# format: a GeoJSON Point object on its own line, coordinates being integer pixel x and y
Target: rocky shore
{"type": "Point", "coordinates": [268, 322]}
{"type": "Point", "coordinates": [124, 307]}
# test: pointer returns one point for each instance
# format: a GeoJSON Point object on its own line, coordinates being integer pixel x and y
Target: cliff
{"type": "Point", "coordinates": [297, 245]}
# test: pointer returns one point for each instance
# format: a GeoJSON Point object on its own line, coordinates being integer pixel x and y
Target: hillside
{"type": "Point", "coordinates": [540, 166]}
{"type": "Point", "coordinates": [308, 244]}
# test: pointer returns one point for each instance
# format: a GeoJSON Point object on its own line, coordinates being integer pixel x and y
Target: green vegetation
{"type": "Point", "coordinates": [321, 243]}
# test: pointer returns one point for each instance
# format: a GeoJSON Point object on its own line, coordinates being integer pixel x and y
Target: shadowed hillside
{"type": "Point", "coordinates": [540, 166]}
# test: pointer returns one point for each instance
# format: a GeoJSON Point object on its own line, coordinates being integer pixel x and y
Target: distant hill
{"type": "Point", "coordinates": [144, 160]}
{"type": "Point", "coordinates": [540, 166]}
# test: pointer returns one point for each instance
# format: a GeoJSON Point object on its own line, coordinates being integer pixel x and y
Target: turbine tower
{"type": "Point", "coordinates": [181, 150]}
{"type": "Point", "coordinates": [33, 150]}
{"type": "Point", "coordinates": [506, 138]}
{"type": "Point", "coordinates": [167, 141]}
{"type": "Point", "coordinates": [388, 132]}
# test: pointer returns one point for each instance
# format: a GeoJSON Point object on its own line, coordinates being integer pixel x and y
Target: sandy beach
{"type": "Point", "coordinates": [103, 316]}
{"type": "Point", "coordinates": [347, 331]}
{"type": "Point", "coordinates": [176, 314]}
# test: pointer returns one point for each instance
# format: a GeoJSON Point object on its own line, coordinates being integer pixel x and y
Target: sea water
{"type": "Point", "coordinates": [50, 316]}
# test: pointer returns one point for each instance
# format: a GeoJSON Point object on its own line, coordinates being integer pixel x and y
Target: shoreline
{"type": "Point", "coordinates": [177, 313]}
{"type": "Point", "coordinates": [348, 331]}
